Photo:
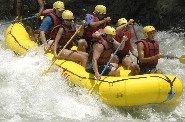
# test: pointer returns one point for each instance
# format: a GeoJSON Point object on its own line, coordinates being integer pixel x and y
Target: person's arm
{"type": "Point", "coordinates": [116, 43]}
{"type": "Point", "coordinates": [45, 26]}
{"type": "Point", "coordinates": [133, 51]}
{"type": "Point", "coordinates": [41, 8]}
{"type": "Point", "coordinates": [18, 8]}
{"type": "Point", "coordinates": [119, 28]}
{"type": "Point", "coordinates": [57, 39]}
{"type": "Point", "coordinates": [96, 24]}
{"type": "Point", "coordinates": [97, 34]}
{"type": "Point", "coordinates": [82, 29]}
{"type": "Point", "coordinates": [90, 22]}
{"type": "Point", "coordinates": [140, 48]}
{"type": "Point", "coordinates": [98, 49]}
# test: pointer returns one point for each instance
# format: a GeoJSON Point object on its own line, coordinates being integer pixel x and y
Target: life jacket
{"type": "Point", "coordinates": [119, 36]}
{"type": "Point", "coordinates": [150, 49]}
{"type": "Point", "coordinates": [68, 33]}
{"type": "Point", "coordinates": [47, 12]}
{"type": "Point", "coordinates": [57, 23]}
{"type": "Point", "coordinates": [105, 55]}
{"type": "Point", "coordinates": [90, 30]}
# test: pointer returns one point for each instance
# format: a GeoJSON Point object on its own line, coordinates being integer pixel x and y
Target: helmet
{"type": "Point", "coordinates": [147, 29]}
{"type": "Point", "coordinates": [67, 14]}
{"type": "Point", "coordinates": [58, 5]}
{"type": "Point", "coordinates": [101, 9]}
{"type": "Point", "coordinates": [109, 30]}
{"type": "Point", "coordinates": [121, 21]}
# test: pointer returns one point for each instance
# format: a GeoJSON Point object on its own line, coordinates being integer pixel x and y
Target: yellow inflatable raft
{"type": "Point", "coordinates": [17, 39]}
{"type": "Point", "coordinates": [116, 91]}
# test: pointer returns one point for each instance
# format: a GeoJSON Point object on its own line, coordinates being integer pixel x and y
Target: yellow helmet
{"type": "Point", "coordinates": [101, 9]}
{"type": "Point", "coordinates": [58, 5]}
{"type": "Point", "coordinates": [67, 14]}
{"type": "Point", "coordinates": [109, 30]}
{"type": "Point", "coordinates": [121, 21]}
{"type": "Point", "coordinates": [147, 29]}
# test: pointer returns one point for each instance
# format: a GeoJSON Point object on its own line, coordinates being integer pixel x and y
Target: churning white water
{"type": "Point", "coordinates": [28, 96]}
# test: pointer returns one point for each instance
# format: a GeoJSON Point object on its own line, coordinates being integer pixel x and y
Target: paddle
{"type": "Point", "coordinates": [135, 32]}
{"type": "Point", "coordinates": [181, 59]}
{"type": "Point", "coordinates": [112, 56]}
{"type": "Point", "coordinates": [46, 71]}
{"type": "Point", "coordinates": [9, 22]}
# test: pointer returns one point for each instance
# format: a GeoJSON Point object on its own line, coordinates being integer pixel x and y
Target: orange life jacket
{"type": "Point", "coordinates": [150, 49]}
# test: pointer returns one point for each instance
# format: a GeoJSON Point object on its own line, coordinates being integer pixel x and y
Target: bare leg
{"type": "Point", "coordinates": [127, 61]}
{"type": "Point", "coordinates": [114, 72]}
{"type": "Point", "coordinates": [158, 71]}
{"type": "Point", "coordinates": [134, 68]}
{"type": "Point", "coordinates": [82, 45]}
{"type": "Point", "coordinates": [73, 56]}
{"type": "Point", "coordinates": [19, 7]}
{"type": "Point", "coordinates": [115, 59]}
{"type": "Point", "coordinates": [114, 65]}
{"type": "Point", "coordinates": [31, 33]}
{"type": "Point", "coordinates": [83, 54]}
{"type": "Point", "coordinates": [51, 44]}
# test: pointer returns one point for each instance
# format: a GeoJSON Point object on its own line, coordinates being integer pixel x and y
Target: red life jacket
{"type": "Point", "coordinates": [56, 20]}
{"type": "Point", "coordinates": [150, 49]}
{"type": "Point", "coordinates": [105, 55]}
{"type": "Point", "coordinates": [47, 12]}
{"type": "Point", "coordinates": [90, 30]}
{"type": "Point", "coordinates": [119, 36]}
{"type": "Point", "coordinates": [68, 33]}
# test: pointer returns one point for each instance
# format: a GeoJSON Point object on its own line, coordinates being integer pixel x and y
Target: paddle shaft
{"type": "Point", "coordinates": [18, 20]}
{"type": "Point", "coordinates": [64, 48]}
{"type": "Point", "coordinates": [170, 57]}
{"type": "Point", "coordinates": [135, 32]}
{"type": "Point", "coordinates": [181, 59]}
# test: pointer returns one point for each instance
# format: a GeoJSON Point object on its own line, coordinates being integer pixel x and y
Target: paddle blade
{"type": "Point", "coordinates": [52, 68]}
{"type": "Point", "coordinates": [182, 59]}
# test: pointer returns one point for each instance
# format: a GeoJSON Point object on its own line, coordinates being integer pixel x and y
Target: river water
{"type": "Point", "coordinates": [28, 96]}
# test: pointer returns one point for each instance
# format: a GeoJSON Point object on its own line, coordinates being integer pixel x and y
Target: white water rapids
{"type": "Point", "coordinates": [27, 96]}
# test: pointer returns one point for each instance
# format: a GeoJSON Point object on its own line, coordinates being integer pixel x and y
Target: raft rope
{"type": "Point", "coordinates": [172, 92]}
{"type": "Point", "coordinates": [10, 32]}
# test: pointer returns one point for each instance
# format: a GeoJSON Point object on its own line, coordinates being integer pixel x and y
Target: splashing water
{"type": "Point", "coordinates": [26, 95]}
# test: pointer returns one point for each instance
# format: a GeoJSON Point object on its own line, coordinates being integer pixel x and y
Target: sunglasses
{"type": "Point", "coordinates": [101, 14]}
{"type": "Point", "coordinates": [151, 32]}
{"type": "Point", "coordinates": [60, 9]}
{"type": "Point", "coordinates": [68, 19]}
